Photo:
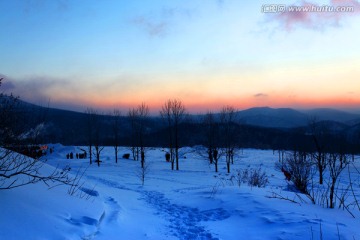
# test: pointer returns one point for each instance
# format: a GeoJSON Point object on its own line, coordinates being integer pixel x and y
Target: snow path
{"type": "Point", "coordinates": [112, 210]}
{"type": "Point", "coordinates": [109, 216]}
{"type": "Point", "coordinates": [109, 183]}
{"type": "Point", "coordinates": [184, 221]}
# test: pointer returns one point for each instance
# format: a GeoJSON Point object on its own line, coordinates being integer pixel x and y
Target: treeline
{"type": "Point", "coordinates": [69, 128]}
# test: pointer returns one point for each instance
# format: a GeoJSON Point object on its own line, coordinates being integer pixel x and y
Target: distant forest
{"type": "Point", "coordinates": [71, 128]}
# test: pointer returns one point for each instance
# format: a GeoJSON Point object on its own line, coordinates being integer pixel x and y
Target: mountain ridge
{"type": "Point", "coordinates": [256, 116]}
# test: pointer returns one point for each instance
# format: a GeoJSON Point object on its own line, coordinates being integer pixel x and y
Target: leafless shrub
{"type": "Point", "coordinates": [240, 176]}
{"type": "Point", "coordinates": [76, 182]}
{"type": "Point", "coordinates": [298, 168]}
{"type": "Point", "coordinates": [76, 186]}
{"type": "Point", "coordinates": [279, 196]}
{"type": "Point", "coordinates": [143, 172]}
{"type": "Point", "coordinates": [88, 193]}
{"type": "Point", "coordinates": [17, 170]}
{"type": "Point", "coordinates": [355, 201]}
{"type": "Point", "coordinates": [253, 177]}
{"type": "Point", "coordinates": [318, 194]}
{"type": "Point", "coordinates": [215, 189]}
{"type": "Point", "coordinates": [330, 194]}
{"type": "Point", "coordinates": [258, 178]}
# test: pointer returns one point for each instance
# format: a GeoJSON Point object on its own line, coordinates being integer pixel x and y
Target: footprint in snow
{"type": "Point", "coordinates": [184, 221]}
{"type": "Point", "coordinates": [82, 220]}
{"type": "Point", "coordinates": [112, 209]}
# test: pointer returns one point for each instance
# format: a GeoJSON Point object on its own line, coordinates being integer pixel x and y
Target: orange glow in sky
{"type": "Point", "coordinates": [205, 54]}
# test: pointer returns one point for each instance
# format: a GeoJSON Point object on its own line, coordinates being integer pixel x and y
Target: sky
{"type": "Point", "coordinates": [207, 53]}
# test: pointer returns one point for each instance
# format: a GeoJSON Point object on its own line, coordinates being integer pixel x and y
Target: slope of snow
{"type": "Point", "coordinates": [37, 212]}
{"type": "Point", "coordinates": [193, 203]}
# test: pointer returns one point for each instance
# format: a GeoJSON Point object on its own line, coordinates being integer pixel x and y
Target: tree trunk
{"type": "Point", "coordinates": [177, 158]}
{"type": "Point", "coordinates": [97, 155]}
{"type": "Point", "coordinates": [90, 154]}
{"type": "Point", "coordinates": [176, 145]}
{"type": "Point", "coordinates": [332, 189]}
{"type": "Point", "coordinates": [142, 159]}
{"type": "Point", "coordinates": [321, 177]}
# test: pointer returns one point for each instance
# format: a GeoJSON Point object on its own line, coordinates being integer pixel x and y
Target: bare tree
{"type": "Point", "coordinates": [116, 131]}
{"type": "Point", "coordinates": [318, 134]}
{"type": "Point", "coordinates": [143, 115]}
{"type": "Point", "coordinates": [138, 117]}
{"type": "Point", "coordinates": [89, 130]}
{"type": "Point", "coordinates": [17, 170]}
{"type": "Point", "coordinates": [337, 162]}
{"type": "Point", "coordinates": [227, 119]}
{"type": "Point", "coordinates": [173, 112]}
{"type": "Point", "coordinates": [97, 126]}
{"type": "Point", "coordinates": [98, 150]}
{"type": "Point", "coordinates": [212, 136]}
{"type": "Point", "coordinates": [143, 172]}
{"type": "Point", "coordinates": [178, 113]}
{"type": "Point", "coordinates": [135, 149]}
{"type": "Point", "coordinates": [93, 132]}
{"type": "Point", "coordinates": [167, 118]}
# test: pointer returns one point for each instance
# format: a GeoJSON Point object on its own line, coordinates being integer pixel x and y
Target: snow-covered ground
{"type": "Point", "coordinates": [193, 203]}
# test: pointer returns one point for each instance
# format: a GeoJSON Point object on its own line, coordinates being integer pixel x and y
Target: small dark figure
{"type": "Point", "coordinates": [167, 157]}
{"type": "Point", "coordinates": [142, 159]}
{"type": "Point", "coordinates": [210, 157]}
{"type": "Point", "coordinates": [71, 155]}
{"type": "Point", "coordinates": [215, 154]}
{"type": "Point", "coordinates": [142, 156]}
{"type": "Point", "coordinates": [67, 156]}
{"type": "Point", "coordinates": [286, 174]}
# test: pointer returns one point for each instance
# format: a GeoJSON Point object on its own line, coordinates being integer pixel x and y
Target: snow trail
{"type": "Point", "coordinates": [112, 210]}
{"type": "Point", "coordinates": [184, 222]}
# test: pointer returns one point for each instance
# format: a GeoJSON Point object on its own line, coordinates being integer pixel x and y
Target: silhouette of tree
{"type": "Point", "coordinates": [318, 133]}
{"type": "Point", "coordinates": [138, 117]}
{"type": "Point", "coordinates": [93, 133]}
{"type": "Point", "coordinates": [212, 136]}
{"type": "Point", "coordinates": [16, 169]}
{"type": "Point", "coordinates": [228, 133]}
{"type": "Point", "coordinates": [173, 113]}
{"type": "Point", "coordinates": [116, 131]}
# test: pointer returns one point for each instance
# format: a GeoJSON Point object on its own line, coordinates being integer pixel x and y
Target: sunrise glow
{"type": "Point", "coordinates": [117, 54]}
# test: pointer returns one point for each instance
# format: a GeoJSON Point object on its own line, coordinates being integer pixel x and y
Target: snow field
{"type": "Point", "coordinates": [193, 203]}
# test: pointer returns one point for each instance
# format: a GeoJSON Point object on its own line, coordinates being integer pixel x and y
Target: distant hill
{"type": "Point", "coordinates": [261, 127]}
{"type": "Point", "coordinates": [323, 114]}
{"type": "Point", "coordinates": [273, 118]}
{"type": "Point", "coordinates": [291, 118]}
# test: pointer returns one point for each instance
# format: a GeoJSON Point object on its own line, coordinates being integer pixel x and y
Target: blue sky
{"type": "Point", "coordinates": [117, 54]}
